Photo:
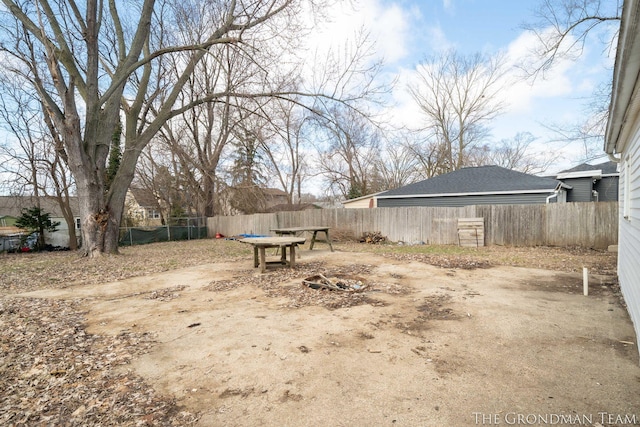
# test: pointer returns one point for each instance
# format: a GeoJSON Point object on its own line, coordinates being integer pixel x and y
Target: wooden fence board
{"type": "Point", "coordinates": [593, 225]}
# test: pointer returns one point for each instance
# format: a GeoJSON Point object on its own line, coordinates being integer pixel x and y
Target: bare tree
{"type": "Point", "coordinates": [286, 146]}
{"type": "Point", "coordinates": [458, 98]}
{"type": "Point", "coordinates": [518, 154]}
{"type": "Point", "coordinates": [33, 161]}
{"type": "Point", "coordinates": [398, 164]}
{"type": "Point", "coordinates": [198, 137]}
{"type": "Point", "coordinates": [248, 171]}
{"type": "Point", "coordinates": [207, 136]}
{"type": "Point", "coordinates": [99, 66]}
{"type": "Point", "coordinates": [430, 156]}
{"type": "Point", "coordinates": [350, 154]}
{"type": "Point", "coordinates": [588, 132]}
{"type": "Point", "coordinates": [562, 29]}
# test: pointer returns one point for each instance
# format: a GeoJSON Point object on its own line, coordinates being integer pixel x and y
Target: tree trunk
{"type": "Point", "coordinates": [209, 194]}
{"type": "Point", "coordinates": [100, 222]}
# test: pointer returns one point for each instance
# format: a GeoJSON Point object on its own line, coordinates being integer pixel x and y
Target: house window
{"type": "Point", "coordinates": [78, 223]}
{"type": "Point", "coordinates": [626, 207]}
{"type": "Point", "coordinates": [154, 214]}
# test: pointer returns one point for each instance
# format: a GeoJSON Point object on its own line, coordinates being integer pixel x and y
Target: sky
{"type": "Point", "coordinates": [408, 31]}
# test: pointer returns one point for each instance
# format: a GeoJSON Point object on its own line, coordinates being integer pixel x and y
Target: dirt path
{"type": "Point", "coordinates": [430, 346]}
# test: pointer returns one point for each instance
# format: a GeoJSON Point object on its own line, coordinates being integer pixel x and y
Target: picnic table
{"type": "Point", "coordinates": [293, 231]}
{"type": "Point", "coordinates": [260, 244]}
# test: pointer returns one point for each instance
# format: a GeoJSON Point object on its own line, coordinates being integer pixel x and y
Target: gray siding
{"type": "Point", "coordinates": [459, 201]}
{"type": "Point", "coordinates": [607, 189]}
{"type": "Point", "coordinates": [581, 189]}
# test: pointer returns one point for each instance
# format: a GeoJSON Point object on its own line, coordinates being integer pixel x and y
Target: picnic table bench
{"type": "Point", "coordinates": [260, 244]}
{"type": "Point", "coordinates": [293, 231]}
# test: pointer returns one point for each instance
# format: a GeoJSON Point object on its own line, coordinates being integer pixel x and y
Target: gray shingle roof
{"type": "Point", "coordinates": [606, 168]}
{"type": "Point", "coordinates": [145, 198]}
{"type": "Point", "coordinates": [482, 179]}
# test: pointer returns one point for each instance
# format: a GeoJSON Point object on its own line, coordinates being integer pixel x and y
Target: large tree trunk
{"type": "Point", "coordinates": [100, 220]}
{"type": "Point", "coordinates": [101, 210]}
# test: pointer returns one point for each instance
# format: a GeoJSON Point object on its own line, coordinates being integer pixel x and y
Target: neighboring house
{"type": "Point", "coordinates": [11, 208]}
{"type": "Point", "coordinates": [623, 139]}
{"type": "Point", "coordinates": [368, 201]}
{"type": "Point", "coordinates": [592, 183]}
{"type": "Point", "coordinates": [483, 185]}
{"type": "Point", "coordinates": [274, 197]}
{"type": "Point", "coordinates": [142, 207]}
{"type": "Point", "coordinates": [7, 221]}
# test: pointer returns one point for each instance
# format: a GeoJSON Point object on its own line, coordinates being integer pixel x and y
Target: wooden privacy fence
{"type": "Point", "coordinates": [593, 225]}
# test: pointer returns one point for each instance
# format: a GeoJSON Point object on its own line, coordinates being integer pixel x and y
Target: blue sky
{"type": "Point", "coordinates": [407, 32]}
{"type": "Point", "coordinates": [471, 25]}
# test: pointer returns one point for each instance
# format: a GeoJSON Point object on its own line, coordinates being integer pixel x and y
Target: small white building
{"type": "Point", "coordinates": [368, 201]}
{"type": "Point", "coordinates": [12, 206]}
{"type": "Point", "coordinates": [623, 142]}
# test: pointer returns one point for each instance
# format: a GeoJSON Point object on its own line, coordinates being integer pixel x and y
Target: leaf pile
{"type": "Point", "coordinates": [52, 372]}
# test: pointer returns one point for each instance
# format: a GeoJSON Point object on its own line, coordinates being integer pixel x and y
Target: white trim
{"type": "Point", "coordinates": [483, 193]}
{"type": "Point", "coordinates": [595, 173]}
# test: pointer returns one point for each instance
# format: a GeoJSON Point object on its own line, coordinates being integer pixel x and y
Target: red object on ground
{"type": "Point", "coordinates": [219, 236]}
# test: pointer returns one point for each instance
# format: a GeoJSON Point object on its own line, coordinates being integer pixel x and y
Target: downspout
{"type": "Point", "coordinates": [556, 192]}
{"type": "Point", "coordinates": [614, 158]}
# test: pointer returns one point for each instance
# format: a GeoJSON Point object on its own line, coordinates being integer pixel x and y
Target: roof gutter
{"type": "Point", "coordinates": [614, 158]}
{"type": "Point", "coordinates": [593, 173]}
{"type": "Point", "coordinates": [483, 193]}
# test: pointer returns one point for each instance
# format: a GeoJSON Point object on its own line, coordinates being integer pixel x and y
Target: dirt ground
{"type": "Point", "coordinates": [422, 345]}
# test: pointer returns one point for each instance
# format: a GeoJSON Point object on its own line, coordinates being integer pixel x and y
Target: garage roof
{"type": "Point", "coordinates": [474, 180]}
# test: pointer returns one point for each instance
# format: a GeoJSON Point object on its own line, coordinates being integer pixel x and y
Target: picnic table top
{"type": "Point", "coordinates": [293, 229]}
{"type": "Point", "coordinates": [273, 241]}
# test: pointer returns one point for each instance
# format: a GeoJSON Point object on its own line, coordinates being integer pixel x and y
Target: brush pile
{"type": "Point", "coordinates": [335, 284]}
{"type": "Point", "coordinates": [373, 238]}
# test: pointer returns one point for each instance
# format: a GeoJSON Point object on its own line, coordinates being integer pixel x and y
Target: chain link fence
{"type": "Point", "coordinates": [179, 229]}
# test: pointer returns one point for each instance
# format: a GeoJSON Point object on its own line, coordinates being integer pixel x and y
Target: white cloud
{"type": "Point", "coordinates": [521, 93]}
{"type": "Point", "coordinates": [391, 38]}
{"type": "Point", "coordinates": [387, 25]}
{"type": "Point", "coordinates": [528, 104]}
{"type": "Point", "coordinates": [438, 41]}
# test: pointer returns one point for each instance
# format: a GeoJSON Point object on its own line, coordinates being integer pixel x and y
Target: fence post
{"type": "Point", "coordinates": [130, 236]}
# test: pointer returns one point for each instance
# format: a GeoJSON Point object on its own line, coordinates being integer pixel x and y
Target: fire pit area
{"type": "Point", "coordinates": [338, 282]}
